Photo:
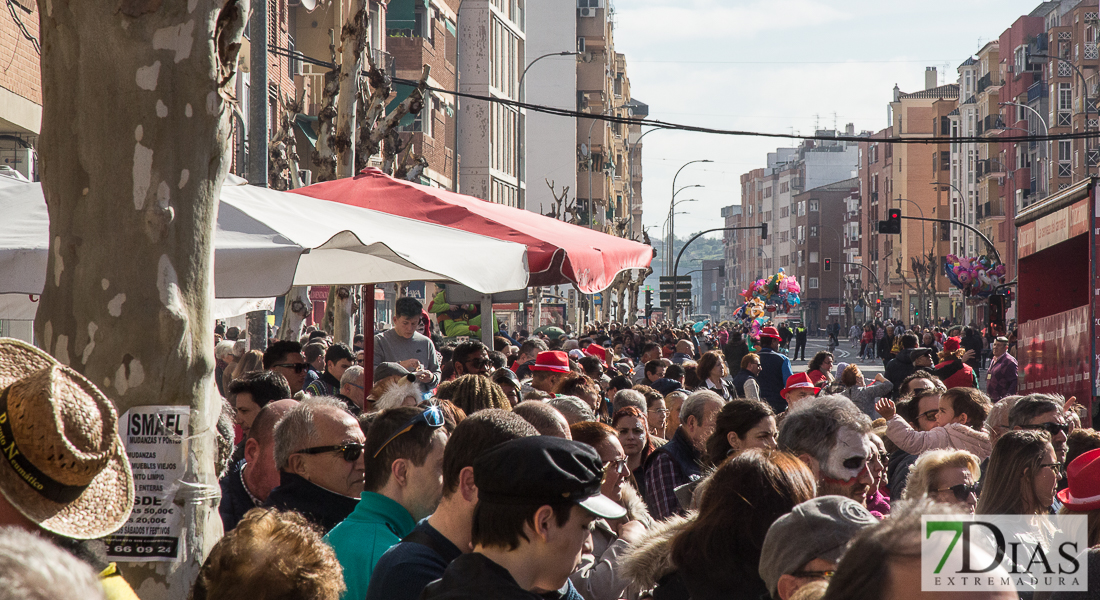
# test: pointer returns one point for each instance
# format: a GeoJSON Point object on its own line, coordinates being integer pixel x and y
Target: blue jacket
{"type": "Point", "coordinates": [774, 371]}
{"type": "Point", "coordinates": [407, 568]}
{"type": "Point", "coordinates": [376, 524]}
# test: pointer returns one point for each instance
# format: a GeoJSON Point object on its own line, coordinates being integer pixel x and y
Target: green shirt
{"type": "Point", "coordinates": [376, 524]}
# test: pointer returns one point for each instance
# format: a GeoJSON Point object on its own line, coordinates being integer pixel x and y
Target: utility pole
{"type": "Point", "coordinates": [257, 98]}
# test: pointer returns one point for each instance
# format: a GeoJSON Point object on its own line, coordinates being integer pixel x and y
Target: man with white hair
{"type": "Point", "coordinates": [677, 462]}
{"type": "Point", "coordinates": [351, 389]}
{"type": "Point", "coordinates": [32, 567]}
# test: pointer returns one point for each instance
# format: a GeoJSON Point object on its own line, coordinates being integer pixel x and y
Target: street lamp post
{"type": "Point", "coordinates": [521, 126]}
{"type": "Point", "coordinates": [630, 162]}
{"type": "Point", "coordinates": [968, 234]}
{"type": "Point", "coordinates": [1046, 131]}
{"type": "Point", "coordinates": [671, 216]}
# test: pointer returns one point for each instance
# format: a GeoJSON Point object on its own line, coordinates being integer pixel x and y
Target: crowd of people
{"type": "Point", "coordinates": [613, 462]}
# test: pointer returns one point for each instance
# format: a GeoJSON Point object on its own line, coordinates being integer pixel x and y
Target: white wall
{"type": "Point", "coordinates": [551, 140]}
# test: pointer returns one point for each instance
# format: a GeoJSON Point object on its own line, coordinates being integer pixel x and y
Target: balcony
{"type": "Point", "coordinates": [1036, 91]}
{"type": "Point", "coordinates": [990, 167]}
{"type": "Point", "coordinates": [985, 81]}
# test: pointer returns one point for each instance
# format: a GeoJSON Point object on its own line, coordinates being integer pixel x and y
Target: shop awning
{"type": "Point", "coordinates": [557, 252]}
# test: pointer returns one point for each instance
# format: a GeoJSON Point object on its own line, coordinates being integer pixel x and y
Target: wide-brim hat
{"type": "Point", "coordinates": [598, 351]}
{"type": "Point", "coordinates": [551, 360]}
{"type": "Point", "coordinates": [798, 381]}
{"type": "Point", "coordinates": [63, 465]}
{"type": "Point", "coordinates": [770, 332]}
{"type": "Point", "coordinates": [1083, 492]}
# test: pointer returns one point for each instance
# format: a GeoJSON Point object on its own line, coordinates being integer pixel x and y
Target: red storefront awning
{"type": "Point", "coordinates": [557, 252]}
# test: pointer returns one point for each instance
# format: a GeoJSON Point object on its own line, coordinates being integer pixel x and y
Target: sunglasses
{"type": "Point", "coordinates": [351, 451]}
{"type": "Point", "coordinates": [962, 491]}
{"type": "Point", "coordinates": [483, 363]}
{"type": "Point", "coordinates": [1052, 428]}
{"type": "Point", "coordinates": [296, 367]}
{"type": "Point", "coordinates": [432, 417]}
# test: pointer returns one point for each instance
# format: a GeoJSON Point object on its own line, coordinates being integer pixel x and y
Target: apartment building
{"type": "Point", "coordinates": [20, 91]}
{"type": "Point", "coordinates": [733, 242]}
{"type": "Point", "coordinates": [767, 196]}
{"type": "Point", "coordinates": [492, 41]}
{"type": "Point", "coordinates": [1070, 70]}
{"type": "Point", "coordinates": [426, 33]}
{"type": "Point", "coordinates": [549, 147]}
{"type": "Point", "coordinates": [818, 238]}
{"type": "Point", "coordinates": [917, 175]}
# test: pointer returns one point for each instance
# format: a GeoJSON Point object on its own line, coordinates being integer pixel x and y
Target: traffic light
{"type": "Point", "coordinates": [763, 231]}
{"type": "Point", "coordinates": [828, 264]}
{"type": "Point", "coordinates": [997, 311]}
{"type": "Point", "coordinates": [892, 224]}
{"type": "Point", "coordinates": [648, 302]}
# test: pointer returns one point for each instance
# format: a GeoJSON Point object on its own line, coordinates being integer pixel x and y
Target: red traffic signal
{"type": "Point", "coordinates": [828, 264]}
{"type": "Point", "coordinates": [892, 224]}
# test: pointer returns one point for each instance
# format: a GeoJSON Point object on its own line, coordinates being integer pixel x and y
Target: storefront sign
{"type": "Point", "coordinates": [1054, 228]}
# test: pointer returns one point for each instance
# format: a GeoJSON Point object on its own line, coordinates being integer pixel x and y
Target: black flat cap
{"type": "Point", "coordinates": [544, 470]}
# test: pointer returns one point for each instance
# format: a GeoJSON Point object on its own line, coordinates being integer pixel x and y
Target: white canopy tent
{"type": "Point", "coordinates": [266, 241]}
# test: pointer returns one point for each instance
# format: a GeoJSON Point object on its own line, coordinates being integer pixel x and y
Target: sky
{"type": "Point", "coordinates": [778, 66]}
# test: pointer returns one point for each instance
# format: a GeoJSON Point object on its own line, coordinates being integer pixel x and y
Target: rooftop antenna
{"type": "Point", "coordinates": [817, 121]}
{"type": "Point", "coordinates": [834, 121]}
{"type": "Point", "coordinates": [943, 73]}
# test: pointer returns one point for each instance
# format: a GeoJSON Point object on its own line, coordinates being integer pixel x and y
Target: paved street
{"type": "Point", "coordinates": [844, 353]}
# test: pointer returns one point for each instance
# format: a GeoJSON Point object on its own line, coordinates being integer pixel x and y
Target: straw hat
{"type": "Point", "coordinates": [63, 464]}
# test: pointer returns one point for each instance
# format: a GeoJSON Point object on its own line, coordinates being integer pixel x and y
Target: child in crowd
{"type": "Point", "coordinates": [958, 424]}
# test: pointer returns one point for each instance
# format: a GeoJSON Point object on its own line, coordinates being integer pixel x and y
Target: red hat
{"type": "Point", "coordinates": [553, 360]}
{"type": "Point", "coordinates": [951, 344]}
{"type": "Point", "coordinates": [770, 332]}
{"type": "Point", "coordinates": [598, 351]}
{"type": "Point", "coordinates": [798, 381]}
{"type": "Point", "coordinates": [1083, 493]}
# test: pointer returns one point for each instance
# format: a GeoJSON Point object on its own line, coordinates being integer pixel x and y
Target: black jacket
{"type": "Point", "coordinates": [739, 381]}
{"type": "Point", "coordinates": [321, 507]}
{"type": "Point", "coordinates": [734, 352]}
{"type": "Point", "coordinates": [235, 499]}
{"type": "Point", "coordinates": [900, 367]}
{"type": "Point", "coordinates": [474, 577]}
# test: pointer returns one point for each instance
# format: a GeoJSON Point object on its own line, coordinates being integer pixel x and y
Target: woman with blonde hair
{"type": "Point", "coordinates": [947, 476]}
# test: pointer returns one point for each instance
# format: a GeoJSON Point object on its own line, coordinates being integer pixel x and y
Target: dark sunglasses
{"type": "Point", "coordinates": [1052, 428]}
{"type": "Point", "coordinates": [297, 367]}
{"type": "Point", "coordinates": [962, 491]}
{"type": "Point", "coordinates": [483, 363]}
{"type": "Point", "coordinates": [351, 451]}
{"type": "Point", "coordinates": [432, 417]}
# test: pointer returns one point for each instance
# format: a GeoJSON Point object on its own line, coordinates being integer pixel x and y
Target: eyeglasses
{"type": "Point", "coordinates": [814, 574]}
{"type": "Point", "coordinates": [296, 367]}
{"type": "Point", "coordinates": [615, 465]}
{"type": "Point", "coordinates": [1058, 468]}
{"type": "Point", "coordinates": [482, 363]}
{"type": "Point", "coordinates": [884, 457]}
{"type": "Point", "coordinates": [962, 491]}
{"type": "Point", "coordinates": [660, 411]}
{"type": "Point", "coordinates": [356, 386]}
{"type": "Point", "coordinates": [1052, 428]}
{"type": "Point", "coordinates": [351, 451]}
{"type": "Point", "coordinates": [432, 417]}
{"type": "Point", "coordinates": [930, 415]}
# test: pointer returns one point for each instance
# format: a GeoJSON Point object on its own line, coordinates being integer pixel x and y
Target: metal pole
{"type": "Point", "coordinates": [671, 216]}
{"type": "Point", "coordinates": [521, 130]}
{"type": "Point", "coordinates": [1084, 104]}
{"type": "Point", "coordinates": [676, 264]}
{"type": "Point", "coordinates": [630, 162]}
{"type": "Point", "coordinates": [257, 100]}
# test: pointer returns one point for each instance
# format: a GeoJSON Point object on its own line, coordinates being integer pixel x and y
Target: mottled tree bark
{"type": "Point", "coordinates": [324, 154]}
{"type": "Point", "coordinates": [353, 42]}
{"type": "Point", "coordinates": [134, 147]}
{"type": "Point", "coordinates": [296, 309]}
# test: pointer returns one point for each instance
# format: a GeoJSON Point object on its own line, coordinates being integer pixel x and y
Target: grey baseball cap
{"type": "Point", "coordinates": [388, 369]}
{"type": "Point", "coordinates": [818, 528]}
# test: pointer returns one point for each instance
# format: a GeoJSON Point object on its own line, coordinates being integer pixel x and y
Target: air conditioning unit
{"type": "Point", "coordinates": [586, 12]}
{"type": "Point", "coordinates": [580, 45]}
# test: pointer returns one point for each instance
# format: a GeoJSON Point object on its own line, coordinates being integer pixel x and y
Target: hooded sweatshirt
{"type": "Point", "coordinates": [951, 436]}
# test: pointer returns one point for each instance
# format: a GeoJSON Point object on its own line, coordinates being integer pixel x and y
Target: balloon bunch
{"type": "Point", "coordinates": [978, 276]}
{"type": "Point", "coordinates": [752, 309]}
{"type": "Point", "coordinates": [780, 290]}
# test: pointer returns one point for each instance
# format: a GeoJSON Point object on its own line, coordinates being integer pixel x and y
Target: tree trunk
{"type": "Point", "coordinates": [343, 313]}
{"type": "Point", "coordinates": [353, 42]}
{"type": "Point", "coordinates": [324, 156]}
{"type": "Point", "coordinates": [296, 308]}
{"type": "Point", "coordinates": [137, 98]}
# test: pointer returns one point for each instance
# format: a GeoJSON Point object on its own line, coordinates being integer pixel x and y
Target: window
{"type": "Point", "coordinates": [813, 283]}
{"type": "Point", "coordinates": [813, 205]}
{"type": "Point", "coordinates": [813, 231]}
{"type": "Point", "coordinates": [714, 286]}
{"type": "Point", "coordinates": [813, 257]}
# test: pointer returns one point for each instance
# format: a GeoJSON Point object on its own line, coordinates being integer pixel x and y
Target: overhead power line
{"type": "Point", "coordinates": [659, 124]}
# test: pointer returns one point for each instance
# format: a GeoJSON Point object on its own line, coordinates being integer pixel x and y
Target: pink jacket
{"type": "Point", "coordinates": [952, 435]}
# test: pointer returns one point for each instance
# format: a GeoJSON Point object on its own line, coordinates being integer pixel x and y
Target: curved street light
{"type": "Point", "coordinates": [521, 196]}
{"type": "Point", "coordinates": [671, 216]}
